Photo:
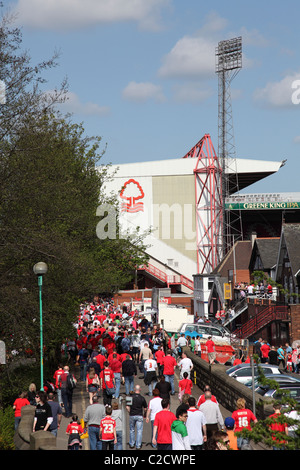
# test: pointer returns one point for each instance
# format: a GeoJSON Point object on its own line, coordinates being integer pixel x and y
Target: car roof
{"type": "Point", "coordinates": [240, 366]}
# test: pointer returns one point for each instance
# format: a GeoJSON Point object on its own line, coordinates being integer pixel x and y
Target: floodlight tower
{"type": "Point", "coordinates": [228, 64]}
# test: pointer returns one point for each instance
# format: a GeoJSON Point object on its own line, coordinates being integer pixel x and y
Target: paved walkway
{"type": "Point", "coordinates": [81, 401]}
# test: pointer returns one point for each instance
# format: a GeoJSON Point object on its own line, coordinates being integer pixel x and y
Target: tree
{"type": "Point", "coordinates": [51, 186]}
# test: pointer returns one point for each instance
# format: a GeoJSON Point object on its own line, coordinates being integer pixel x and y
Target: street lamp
{"type": "Point", "coordinates": [40, 269]}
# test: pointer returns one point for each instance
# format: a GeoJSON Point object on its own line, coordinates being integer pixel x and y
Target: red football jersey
{"type": "Point", "coordinates": [107, 426]}
{"type": "Point", "coordinates": [243, 419]}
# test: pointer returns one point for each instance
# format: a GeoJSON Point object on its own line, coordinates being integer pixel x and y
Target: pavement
{"type": "Point", "coordinates": [81, 401]}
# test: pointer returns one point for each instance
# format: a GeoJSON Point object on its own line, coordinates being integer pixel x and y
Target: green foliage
{"type": "Point", "coordinates": [51, 185]}
{"type": "Point", "coordinates": [261, 431]}
{"type": "Point", "coordinates": [7, 429]}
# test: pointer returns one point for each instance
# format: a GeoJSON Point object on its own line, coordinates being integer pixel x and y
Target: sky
{"type": "Point", "coordinates": [141, 75]}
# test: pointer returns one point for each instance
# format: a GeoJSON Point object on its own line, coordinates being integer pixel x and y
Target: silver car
{"type": "Point", "coordinates": [243, 372]}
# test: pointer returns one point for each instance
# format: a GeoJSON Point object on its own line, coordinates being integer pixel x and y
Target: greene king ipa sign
{"type": "Point", "coordinates": [262, 205]}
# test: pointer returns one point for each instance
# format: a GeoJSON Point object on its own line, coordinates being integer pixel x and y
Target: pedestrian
{"type": "Point", "coordinates": [107, 384]}
{"type": "Point", "coordinates": [19, 402]}
{"type": "Point", "coordinates": [65, 380]}
{"type": "Point", "coordinates": [229, 425]}
{"type": "Point", "coordinates": [159, 355]}
{"type": "Point", "coordinates": [279, 427]}
{"type": "Point", "coordinates": [198, 346]}
{"type": "Point", "coordinates": [92, 384]}
{"type": "Point", "coordinates": [117, 416]}
{"type": "Point", "coordinates": [92, 418]}
{"type": "Point", "coordinates": [201, 399]}
{"type": "Point", "coordinates": [82, 359]}
{"type": "Point", "coordinates": [150, 366]}
{"type": "Point", "coordinates": [74, 430]}
{"type": "Point", "coordinates": [169, 363]}
{"type": "Point", "coordinates": [108, 435]}
{"type": "Point", "coordinates": [116, 366]}
{"type": "Point", "coordinates": [218, 441]}
{"type": "Point", "coordinates": [154, 406]}
{"type": "Point", "coordinates": [162, 434]}
{"type": "Point", "coordinates": [56, 375]}
{"type": "Point", "coordinates": [264, 349]}
{"type": "Point", "coordinates": [181, 343]}
{"type": "Point", "coordinates": [256, 347]}
{"type": "Point", "coordinates": [212, 413]}
{"type": "Point", "coordinates": [185, 365]}
{"type": "Point", "coordinates": [273, 357]}
{"type": "Point", "coordinates": [211, 350]}
{"type": "Point", "coordinates": [185, 386]}
{"type": "Point", "coordinates": [31, 394]}
{"type": "Point", "coordinates": [243, 418]}
{"type": "Point", "coordinates": [137, 410]}
{"type": "Point", "coordinates": [43, 413]}
{"type": "Point", "coordinates": [56, 414]}
{"type": "Point", "coordinates": [145, 354]}
{"type": "Point", "coordinates": [196, 425]}
{"type": "Point", "coordinates": [129, 371]}
{"type": "Point", "coordinates": [180, 438]}
{"type": "Point", "coordinates": [163, 387]}
{"type": "Point", "coordinates": [281, 356]}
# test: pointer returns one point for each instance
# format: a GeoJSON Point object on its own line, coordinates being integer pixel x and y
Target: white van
{"type": "Point", "coordinates": [217, 332]}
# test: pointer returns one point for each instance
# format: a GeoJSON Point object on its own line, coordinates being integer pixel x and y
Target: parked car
{"type": "Point", "coordinates": [243, 372]}
{"type": "Point", "coordinates": [281, 379]}
{"type": "Point", "coordinates": [218, 332]}
{"type": "Point", "coordinates": [292, 388]}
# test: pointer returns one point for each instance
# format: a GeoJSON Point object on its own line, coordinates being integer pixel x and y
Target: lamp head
{"type": "Point", "coordinates": [40, 268]}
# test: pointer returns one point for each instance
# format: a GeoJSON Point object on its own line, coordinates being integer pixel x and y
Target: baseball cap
{"type": "Point", "coordinates": [229, 422]}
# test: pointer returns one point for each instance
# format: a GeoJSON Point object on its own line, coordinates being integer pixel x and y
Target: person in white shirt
{"type": "Point", "coordinates": [198, 346]}
{"type": "Point", "coordinates": [150, 366]}
{"type": "Point", "coordinates": [196, 425]}
{"type": "Point", "coordinates": [154, 406]}
{"type": "Point", "coordinates": [185, 365]}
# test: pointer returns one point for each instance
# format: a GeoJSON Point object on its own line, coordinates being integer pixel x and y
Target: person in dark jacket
{"type": "Point", "coordinates": [128, 372]}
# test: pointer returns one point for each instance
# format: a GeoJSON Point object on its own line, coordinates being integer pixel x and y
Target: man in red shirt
{"type": "Point", "coordinates": [201, 399]}
{"type": "Point", "coordinates": [169, 363]}
{"type": "Point", "coordinates": [107, 380]}
{"type": "Point", "coordinates": [211, 350]}
{"type": "Point", "coordinates": [264, 349]}
{"type": "Point", "coordinates": [162, 434]}
{"type": "Point", "coordinates": [159, 355]}
{"type": "Point", "coordinates": [278, 426]}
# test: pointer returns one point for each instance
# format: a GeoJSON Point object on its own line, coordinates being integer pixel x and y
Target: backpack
{"type": "Point", "coordinates": [70, 382]}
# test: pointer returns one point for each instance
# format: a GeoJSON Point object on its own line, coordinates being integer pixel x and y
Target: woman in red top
{"type": "Point", "coordinates": [92, 384]}
{"type": "Point", "coordinates": [107, 380]}
{"type": "Point", "coordinates": [243, 418]}
{"type": "Point", "coordinates": [185, 386]}
{"type": "Point", "coordinates": [18, 404]}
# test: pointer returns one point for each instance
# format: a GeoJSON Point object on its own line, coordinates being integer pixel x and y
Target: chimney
{"type": "Point", "coordinates": [253, 238]}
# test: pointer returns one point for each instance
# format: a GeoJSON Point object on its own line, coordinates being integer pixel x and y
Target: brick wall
{"type": "Point", "coordinates": [295, 322]}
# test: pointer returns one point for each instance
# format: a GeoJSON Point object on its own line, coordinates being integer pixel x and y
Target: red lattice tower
{"type": "Point", "coordinates": [209, 205]}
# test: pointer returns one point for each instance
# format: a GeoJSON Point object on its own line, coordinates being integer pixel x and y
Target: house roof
{"type": "Point", "coordinates": [291, 233]}
{"type": "Point", "coordinates": [268, 251]}
{"type": "Point", "coordinates": [242, 256]}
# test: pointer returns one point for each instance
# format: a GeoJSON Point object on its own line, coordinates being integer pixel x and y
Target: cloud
{"type": "Point", "coordinates": [280, 94]}
{"type": "Point", "coordinates": [142, 92]}
{"type": "Point", "coordinates": [72, 104]}
{"type": "Point", "coordinates": [73, 14]}
{"type": "Point", "coordinates": [191, 57]}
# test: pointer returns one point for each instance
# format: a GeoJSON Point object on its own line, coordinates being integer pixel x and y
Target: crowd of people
{"type": "Point", "coordinates": [115, 348]}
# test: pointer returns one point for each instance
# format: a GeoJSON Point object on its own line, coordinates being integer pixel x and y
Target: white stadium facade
{"type": "Point", "coordinates": [180, 200]}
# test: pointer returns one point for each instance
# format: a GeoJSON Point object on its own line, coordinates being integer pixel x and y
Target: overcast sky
{"type": "Point", "coordinates": [141, 74]}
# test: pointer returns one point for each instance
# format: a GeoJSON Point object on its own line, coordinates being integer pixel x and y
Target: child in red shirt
{"type": "Point", "coordinates": [74, 429]}
{"type": "Point", "coordinates": [108, 434]}
{"type": "Point", "coordinates": [185, 386]}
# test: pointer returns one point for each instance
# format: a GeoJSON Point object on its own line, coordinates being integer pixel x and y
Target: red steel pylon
{"type": "Point", "coordinates": [209, 205]}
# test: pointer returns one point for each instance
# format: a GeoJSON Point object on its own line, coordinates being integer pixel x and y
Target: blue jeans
{"type": "Point", "coordinates": [129, 384]}
{"type": "Point", "coordinates": [83, 368]}
{"type": "Point", "coordinates": [118, 383]}
{"type": "Point", "coordinates": [138, 422]}
{"type": "Point", "coordinates": [170, 378]}
{"type": "Point", "coordinates": [95, 443]}
{"type": "Point", "coordinates": [151, 387]}
{"type": "Point", "coordinates": [119, 444]}
{"type": "Point", "coordinates": [67, 398]}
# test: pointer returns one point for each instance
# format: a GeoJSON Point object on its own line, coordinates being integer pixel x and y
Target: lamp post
{"type": "Point", "coordinates": [40, 269]}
